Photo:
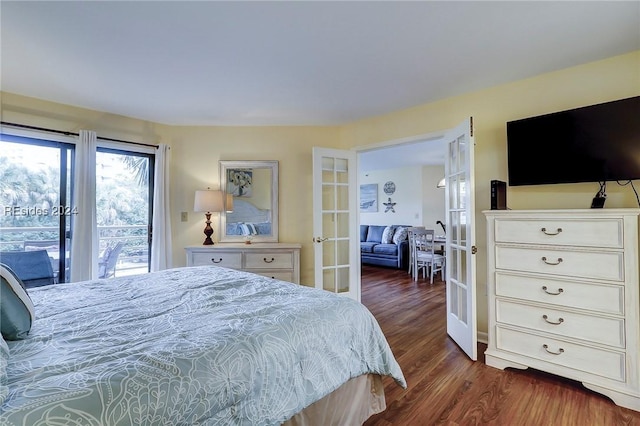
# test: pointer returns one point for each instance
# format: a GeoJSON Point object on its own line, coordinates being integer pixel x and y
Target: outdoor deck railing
{"type": "Point", "coordinates": [134, 258]}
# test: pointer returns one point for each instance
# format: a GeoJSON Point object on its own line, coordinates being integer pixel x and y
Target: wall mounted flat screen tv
{"type": "Point", "coordinates": [589, 144]}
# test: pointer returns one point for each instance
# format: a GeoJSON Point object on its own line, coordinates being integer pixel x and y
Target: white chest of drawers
{"type": "Point", "coordinates": [276, 260]}
{"type": "Point", "coordinates": [563, 296]}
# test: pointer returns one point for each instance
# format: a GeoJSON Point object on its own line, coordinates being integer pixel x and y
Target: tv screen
{"type": "Point", "coordinates": [589, 144]}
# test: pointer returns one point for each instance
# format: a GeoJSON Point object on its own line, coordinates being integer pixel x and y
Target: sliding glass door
{"type": "Point", "coordinates": [124, 196]}
{"type": "Point", "coordinates": [36, 183]}
{"type": "Point", "coordinates": [35, 190]}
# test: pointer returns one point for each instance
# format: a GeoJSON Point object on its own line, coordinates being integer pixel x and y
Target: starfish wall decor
{"type": "Point", "coordinates": [389, 206]}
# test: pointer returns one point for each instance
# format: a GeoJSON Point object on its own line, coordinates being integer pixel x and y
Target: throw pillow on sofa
{"type": "Point", "coordinates": [363, 232]}
{"type": "Point", "coordinates": [400, 235]}
{"type": "Point", "coordinates": [387, 235]}
{"type": "Point", "coordinates": [374, 234]}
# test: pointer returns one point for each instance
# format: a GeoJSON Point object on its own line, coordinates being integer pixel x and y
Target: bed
{"type": "Point", "coordinates": [247, 219]}
{"type": "Point", "coordinates": [195, 346]}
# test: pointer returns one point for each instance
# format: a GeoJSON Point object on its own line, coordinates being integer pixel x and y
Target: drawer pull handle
{"type": "Point", "coordinates": [546, 348]}
{"type": "Point", "coordinates": [544, 288]}
{"type": "Point", "coordinates": [551, 233]}
{"type": "Point", "coordinates": [216, 261]}
{"type": "Point", "coordinates": [559, 261]}
{"type": "Point", "coordinates": [268, 261]}
{"type": "Point", "coordinates": [546, 318]}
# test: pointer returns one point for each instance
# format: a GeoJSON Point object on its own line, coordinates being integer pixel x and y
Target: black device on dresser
{"type": "Point", "coordinates": [498, 195]}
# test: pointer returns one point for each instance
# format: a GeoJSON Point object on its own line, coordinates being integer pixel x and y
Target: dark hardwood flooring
{"type": "Point", "coordinates": [446, 388]}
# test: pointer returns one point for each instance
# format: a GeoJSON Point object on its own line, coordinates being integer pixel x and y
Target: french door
{"type": "Point", "coordinates": [335, 227]}
{"type": "Point", "coordinates": [460, 245]}
{"type": "Point", "coordinates": [335, 222]}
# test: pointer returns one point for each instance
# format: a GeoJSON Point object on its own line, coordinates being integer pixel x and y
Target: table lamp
{"type": "Point", "coordinates": [209, 201]}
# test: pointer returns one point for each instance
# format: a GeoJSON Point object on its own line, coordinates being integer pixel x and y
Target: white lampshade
{"type": "Point", "coordinates": [441, 183]}
{"type": "Point", "coordinates": [208, 201]}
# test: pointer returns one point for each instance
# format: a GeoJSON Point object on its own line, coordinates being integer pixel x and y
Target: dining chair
{"type": "Point", "coordinates": [424, 255]}
{"type": "Point", "coordinates": [411, 245]}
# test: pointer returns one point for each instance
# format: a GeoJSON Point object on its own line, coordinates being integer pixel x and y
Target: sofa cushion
{"type": "Point", "coordinates": [367, 247]}
{"type": "Point", "coordinates": [363, 232]}
{"type": "Point", "coordinates": [388, 249]}
{"type": "Point", "coordinates": [387, 235]}
{"type": "Point", "coordinates": [375, 233]}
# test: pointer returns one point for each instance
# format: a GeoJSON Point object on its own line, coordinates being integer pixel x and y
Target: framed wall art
{"type": "Point", "coordinates": [369, 197]}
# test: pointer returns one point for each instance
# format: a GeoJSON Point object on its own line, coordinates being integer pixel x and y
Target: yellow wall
{"type": "Point", "coordinates": [36, 112]}
{"type": "Point", "coordinates": [610, 79]}
{"type": "Point", "coordinates": [195, 151]}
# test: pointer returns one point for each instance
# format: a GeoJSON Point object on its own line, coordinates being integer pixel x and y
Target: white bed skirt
{"type": "Point", "coordinates": [351, 404]}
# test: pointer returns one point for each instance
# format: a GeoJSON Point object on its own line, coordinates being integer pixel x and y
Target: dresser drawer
{"type": "Point", "coordinates": [269, 260]}
{"type": "Point", "coordinates": [275, 260]}
{"type": "Point", "coordinates": [219, 258]}
{"type": "Point", "coordinates": [587, 233]}
{"type": "Point", "coordinates": [579, 264]}
{"type": "Point", "coordinates": [602, 298]}
{"type": "Point", "coordinates": [609, 364]}
{"type": "Point", "coordinates": [278, 275]}
{"type": "Point", "coordinates": [603, 330]}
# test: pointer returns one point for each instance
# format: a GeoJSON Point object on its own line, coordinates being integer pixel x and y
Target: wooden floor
{"type": "Point", "coordinates": [446, 388]}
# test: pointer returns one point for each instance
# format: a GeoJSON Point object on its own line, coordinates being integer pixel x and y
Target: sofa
{"type": "Point", "coordinates": [384, 245]}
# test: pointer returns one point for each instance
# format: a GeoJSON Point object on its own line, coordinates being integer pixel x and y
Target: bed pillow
{"type": "Point", "coordinates": [4, 360]}
{"type": "Point", "coordinates": [248, 229]}
{"type": "Point", "coordinates": [16, 308]}
{"type": "Point", "coordinates": [400, 235]}
{"type": "Point", "coordinates": [387, 235]}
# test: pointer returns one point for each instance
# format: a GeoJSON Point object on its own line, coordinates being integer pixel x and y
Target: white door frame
{"type": "Point", "coordinates": [402, 141]}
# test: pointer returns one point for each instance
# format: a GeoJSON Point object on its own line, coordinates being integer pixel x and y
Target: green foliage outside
{"type": "Point", "coordinates": [29, 197]}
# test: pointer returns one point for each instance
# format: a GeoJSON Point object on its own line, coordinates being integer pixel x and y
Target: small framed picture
{"type": "Point", "coordinates": [369, 197]}
{"type": "Point", "coordinates": [240, 182]}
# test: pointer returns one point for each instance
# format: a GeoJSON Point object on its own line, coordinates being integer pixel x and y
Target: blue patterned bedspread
{"type": "Point", "coordinates": [187, 346]}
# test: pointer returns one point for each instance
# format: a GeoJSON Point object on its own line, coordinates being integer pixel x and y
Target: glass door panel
{"type": "Point", "coordinates": [328, 197]}
{"type": "Point", "coordinates": [342, 284]}
{"type": "Point", "coordinates": [123, 210]}
{"type": "Point", "coordinates": [35, 184]}
{"type": "Point", "coordinates": [328, 280]}
{"type": "Point", "coordinates": [327, 224]}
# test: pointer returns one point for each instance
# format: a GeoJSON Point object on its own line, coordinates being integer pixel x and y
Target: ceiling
{"type": "Point", "coordinates": [296, 63]}
{"type": "Point", "coordinates": [418, 153]}
{"type": "Point", "coordinates": [293, 63]}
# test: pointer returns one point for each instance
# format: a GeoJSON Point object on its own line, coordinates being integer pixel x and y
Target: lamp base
{"type": "Point", "coordinates": [208, 231]}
